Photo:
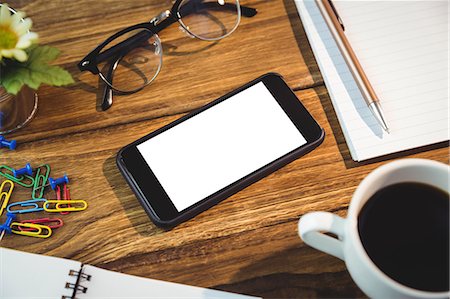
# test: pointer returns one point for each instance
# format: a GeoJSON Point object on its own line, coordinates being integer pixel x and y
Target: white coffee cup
{"type": "Point", "coordinates": [348, 246]}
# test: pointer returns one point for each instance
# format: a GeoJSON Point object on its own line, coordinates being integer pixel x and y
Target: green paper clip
{"type": "Point", "coordinates": [40, 180]}
{"type": "Point", "coordinates": [24, 180]}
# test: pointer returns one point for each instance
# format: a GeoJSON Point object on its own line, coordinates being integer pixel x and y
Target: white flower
{"type": "Point", "coordinates": [15, 34]}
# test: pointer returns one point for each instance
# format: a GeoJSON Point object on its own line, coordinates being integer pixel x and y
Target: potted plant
{"type": "Point", "coordinates": [24, 66]}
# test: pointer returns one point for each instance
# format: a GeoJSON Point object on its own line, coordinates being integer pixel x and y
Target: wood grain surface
{"type": "Point", "coordinates": [246, 244]}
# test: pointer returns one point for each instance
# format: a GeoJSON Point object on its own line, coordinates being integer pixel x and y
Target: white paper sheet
{"type": "Point", "coordinates": [106, 284]}
{"type": "Point", "coordinates": [27, 275]}
{"type": "Point", "coordinates": [403, 48]}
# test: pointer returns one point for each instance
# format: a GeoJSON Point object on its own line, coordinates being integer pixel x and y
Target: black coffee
{"type": "Point", "coordinates": [405, 230]}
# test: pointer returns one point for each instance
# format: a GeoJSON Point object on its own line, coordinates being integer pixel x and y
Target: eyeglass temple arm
{"type": "Point", "coordinates": [246, 11]}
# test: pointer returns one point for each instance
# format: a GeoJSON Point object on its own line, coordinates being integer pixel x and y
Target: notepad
{"type": "Point", "coordinates": [403, 48]}
{"type": "Point", "coordinates": [27, 275]}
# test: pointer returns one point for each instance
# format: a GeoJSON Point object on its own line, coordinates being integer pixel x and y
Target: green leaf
{"type": "Point", "coordinates": [12, 81]}
{"type": "Point", "coordinates": [42, 54]}
{"type": "Point", "coordinates": [35, 71]}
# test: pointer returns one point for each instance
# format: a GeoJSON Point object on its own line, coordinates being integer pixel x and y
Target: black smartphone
{"type": "Point", "coordinates": [193, 163]}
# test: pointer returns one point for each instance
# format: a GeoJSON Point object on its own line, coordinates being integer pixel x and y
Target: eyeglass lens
{"type": "Point", "coordinates": [209, 19]}
{"type": "Point", "coordinates": [134, 60]}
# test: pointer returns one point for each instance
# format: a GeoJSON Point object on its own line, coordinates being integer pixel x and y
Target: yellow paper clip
{"type": "Point", "coordinates": [37, 230]}
{"type": "Point", "coordinates": [75, 205]}
{"type": "Point", "coordinates": [5, 195]}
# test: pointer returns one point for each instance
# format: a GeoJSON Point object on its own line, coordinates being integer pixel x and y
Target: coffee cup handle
{"type": "Point", "coordinates": [313, 226]}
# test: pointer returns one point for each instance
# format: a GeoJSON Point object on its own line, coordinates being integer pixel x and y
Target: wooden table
{"type": "Point", "coordinates": [246, 244]}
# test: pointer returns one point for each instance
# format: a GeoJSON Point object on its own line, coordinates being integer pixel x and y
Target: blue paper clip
{"type": "Point", "coordinates": [30, 206]}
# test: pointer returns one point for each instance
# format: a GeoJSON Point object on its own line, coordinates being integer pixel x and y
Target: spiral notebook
{"type": "Point", "coordinates": [403, 49]}
{"type": "Point", "coordinates": [27, 275]}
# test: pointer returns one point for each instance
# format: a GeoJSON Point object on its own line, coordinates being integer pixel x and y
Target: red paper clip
{"type": "Point", "coordinates": [45, 221]}
{"type": "Point", "coordinates": [66, 195]}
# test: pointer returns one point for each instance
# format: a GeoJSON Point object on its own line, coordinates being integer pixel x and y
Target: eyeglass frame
{"type": "Point", "coordinates": [90, 61]}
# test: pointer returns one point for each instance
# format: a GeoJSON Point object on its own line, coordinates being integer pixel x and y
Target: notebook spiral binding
{"type": "Point", "coordinates": [76, 287]}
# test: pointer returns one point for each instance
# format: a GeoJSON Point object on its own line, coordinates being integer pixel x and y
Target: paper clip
{"type": "Point", "coordinates": [80, 205]}
{"type": "Point", "coordinates": [29, 206]}
{"type": "Point", "coordinates": [52, 223]}
{"type": "Point", "coordinates": [37, 230]}
{"type": "Point", "coordinates": [5, 195]}
{"type": "Point", "coordinates": [40, 181]}
{"type": "Point", "coordinates": [66, 195]}
{"type": "Point", "coordinates": [24, 181]}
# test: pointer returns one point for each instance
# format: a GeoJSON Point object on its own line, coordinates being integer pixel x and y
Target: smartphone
{"type": "Point", "coordinates": [195, 162]}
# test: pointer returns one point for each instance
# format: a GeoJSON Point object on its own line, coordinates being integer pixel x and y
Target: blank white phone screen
{"type": "Point", "coordinates": [220, 145]}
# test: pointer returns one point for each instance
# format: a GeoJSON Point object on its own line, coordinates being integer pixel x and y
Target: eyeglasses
{"type": "Point", "coordinates": [132, 58]}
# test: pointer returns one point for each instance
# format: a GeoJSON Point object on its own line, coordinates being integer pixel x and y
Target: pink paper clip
{"type": "Point", "coordinates": [52, 223]}
{"type": "Point", "coordinates": [66, 195]}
